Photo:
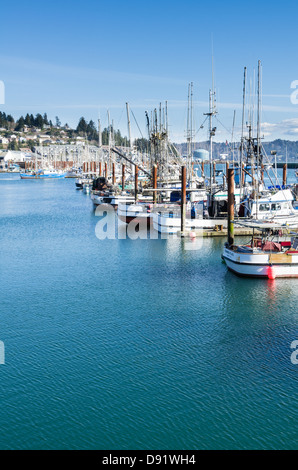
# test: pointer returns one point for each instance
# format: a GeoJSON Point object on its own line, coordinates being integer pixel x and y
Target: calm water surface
{"type": "Point", "coordinates": [122, 344]}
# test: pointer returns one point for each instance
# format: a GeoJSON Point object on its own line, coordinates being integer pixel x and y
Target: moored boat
{"type": "Point", "coordinates": [83, 180]}
{"type": "Point", "coordinates": [268, 255]}
{"type": "Point", "coordinates": [42, 174]}
{"type": "Point", "coordinates": [139, 213]}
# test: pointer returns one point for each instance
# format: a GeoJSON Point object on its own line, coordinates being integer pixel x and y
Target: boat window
{"type": "Point", "coordinates": [275, 207]}
{"type": "Point", "coordinates": [264, 207]}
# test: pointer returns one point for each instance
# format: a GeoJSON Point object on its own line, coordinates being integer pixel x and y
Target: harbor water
{"type": "Point", "coordinates": [134, 344]}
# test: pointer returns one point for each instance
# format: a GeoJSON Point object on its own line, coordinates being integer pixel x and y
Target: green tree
{"type": "Point", "coordinates": [45, 119]}
{"type": "Point", "coordinates": [82, 126]}
{"type": "Point", "coordinates": [13, 145]}
{"type": "Point", "coordinates": [20, 124]}
{"type": "Point", "coordinates": [38, 122]}
{"type": "Point", "coordinates": [27, 120]}
{"type": "Point", "coordinates": [91, 131]}
{"type": "Point", "coordinates": [10, 122]}
{"type": "Point", "coordinates": [31, 144]}
{"type": "Point", "coordinates": [142, 145]}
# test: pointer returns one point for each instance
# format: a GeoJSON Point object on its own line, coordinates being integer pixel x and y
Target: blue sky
{"type": "Point", "coordinates": [75, 59]}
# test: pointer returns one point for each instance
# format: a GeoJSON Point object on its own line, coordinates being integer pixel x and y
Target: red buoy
{"type": "Point", "coordinates": [271, 272]}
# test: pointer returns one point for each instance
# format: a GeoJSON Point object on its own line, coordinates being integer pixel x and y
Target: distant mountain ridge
{"type": "Point", "coordinates": [284, 148]}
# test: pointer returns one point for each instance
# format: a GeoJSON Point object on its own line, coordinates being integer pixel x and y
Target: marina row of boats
{"type": "Point", "coordinates": [170, 193]}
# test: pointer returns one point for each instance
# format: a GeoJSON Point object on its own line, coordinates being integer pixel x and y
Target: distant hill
{"type": "Point", "coordinates": [282, 147]}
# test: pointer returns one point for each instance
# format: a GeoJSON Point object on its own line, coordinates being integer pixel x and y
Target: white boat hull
{"type": "Point", "coordinates": [266, 265]}
{"type": "Point", "coordinates": [165, 224]}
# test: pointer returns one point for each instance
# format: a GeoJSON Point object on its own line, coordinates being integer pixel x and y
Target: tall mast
{"type": "Point", "coordinates": [128, 126]}
{"type": "Point", "coordinates": [167, 136]}
{"type": "Point", "coordinates": [191, 130]}
{"type": "Point", "coordinates": [233, 128]}
{"type": "Point", "coordinates": [259, 113]}
{"type": "Point", "coordinates": [187, 132]}
{"type": "Point", "coordinates": [212, 112]}
{"type": "Point", "coordinates": [99, 140]}
{"type": "Point", "coordinates": [99, 135]}
{"type": "Point", "coordinates": [109, 143]}
{"type": "Point", "coordinates": [167, 127]}
{"type": "Point", "coordinates": [258, 132]}
{"type": "Point", "coordinates": [242, 132]}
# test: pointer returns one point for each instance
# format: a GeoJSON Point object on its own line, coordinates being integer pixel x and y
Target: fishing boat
{"type": "Point", "coordinates": [278, 207]}
{"type": "Point", "coordinates": [139, 213]}
{"type": "Point", "coordinates": [268, 255]}
{"type": "Point", "coordinates": [104, 192]}
{"type": "Point", "coordinates": [83, 180]}
{"type": "Point", "coordinates": [42, 174]}
{"type": "Point", "coordinates": [73, 173]}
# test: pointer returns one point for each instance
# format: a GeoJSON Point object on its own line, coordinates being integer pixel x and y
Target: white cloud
{"type": "Point", "coordinates": [287, 127]}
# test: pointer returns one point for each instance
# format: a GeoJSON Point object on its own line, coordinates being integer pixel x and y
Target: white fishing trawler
{"type": "Point", "coordinates": [277, 207]}
{"type": "Point", "coordinates": [269, 255]}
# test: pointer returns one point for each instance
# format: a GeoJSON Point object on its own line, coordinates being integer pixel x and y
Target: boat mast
{"type": "Point", "coordinates": [212, 112]}
{"type": "Point", "coordinates": [242, 132]}
{"type": "Point", "coordinates": [233, 129]}
{"type": "Point", "coordinates": [190, 130]}
{"type": "Point", "coordinates": [258, 133]}
{"type": "Point", "coordinates": [128, 126]}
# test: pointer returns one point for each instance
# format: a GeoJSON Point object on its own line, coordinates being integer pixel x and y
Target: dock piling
{"type": "Point", "coordinates": [231, 190]}
{"type": "Point", "coordinates": [154, 172]}
{"type": "Point", "coordinates": [123, 177]}
{"type": "Point", "coordinates": [284, 176]}
{"type": "Point", "coordinates": [136, 182]}
{"type": "Point", "coordinates": [183, 199]}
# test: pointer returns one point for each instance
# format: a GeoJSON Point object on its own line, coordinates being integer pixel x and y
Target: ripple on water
{"type": "Point", "coordinates": [122, 344]}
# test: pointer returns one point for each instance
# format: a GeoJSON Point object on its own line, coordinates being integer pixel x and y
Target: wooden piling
{"type": "Point", "coordinates": [231, 201]}
{"type": "Point", "coordinates": [106, 170]}
{"type": "Point", "coordinates": [183, 199]}
{"type": "Point", "coordinates": [113, 174]}
{"type": "Point", "coordinates": [99, 170]}
{"type": "Point", "coordinates": [262, 173]}
{"type": "Point", "coordinates": [154, 182]}
{"type": "Point", "coordinates": [284, 176]}
{"type": "Point", "coordinates": [123, 177]}
{"type": "Point", "coordinates": [136, 181]}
